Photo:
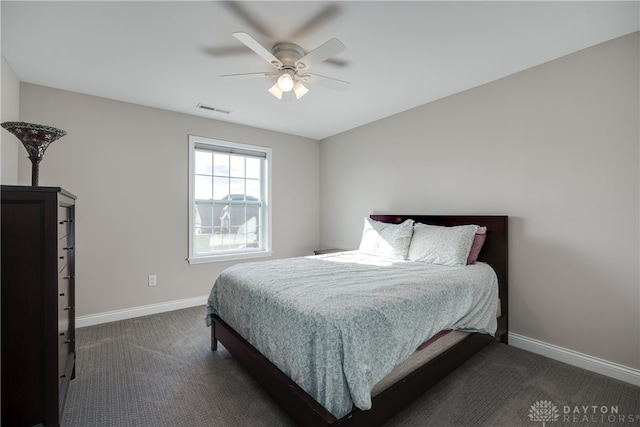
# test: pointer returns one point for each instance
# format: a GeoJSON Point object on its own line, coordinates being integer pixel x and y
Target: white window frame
{"type": "Point", "coordinates": [265, 221]}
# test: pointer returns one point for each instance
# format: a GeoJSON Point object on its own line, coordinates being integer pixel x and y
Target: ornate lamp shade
{"type": "Point", "coordinates": [36, 139]}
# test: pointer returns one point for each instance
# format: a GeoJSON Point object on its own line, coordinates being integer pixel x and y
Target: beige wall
{"type": "Point", "coordinates": [556, 148]}
{"type": "Point", "coordinates": [9, 112]}
{"type": "Point", "coordinates": [128, 166]}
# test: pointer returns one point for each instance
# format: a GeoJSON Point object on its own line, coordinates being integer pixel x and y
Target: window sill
{"type": "Point", "coordinates": [229, 257]}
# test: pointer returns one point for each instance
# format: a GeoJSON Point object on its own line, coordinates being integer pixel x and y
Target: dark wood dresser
{"type": "Point", "coordinates": [38, 297]}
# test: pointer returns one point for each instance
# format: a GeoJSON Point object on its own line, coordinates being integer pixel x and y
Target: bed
{"type": "Point", "coordinates": [396, 390]}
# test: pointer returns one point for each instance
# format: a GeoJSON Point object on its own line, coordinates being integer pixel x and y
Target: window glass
{"type": "Point", "coordinates": [229, 209]}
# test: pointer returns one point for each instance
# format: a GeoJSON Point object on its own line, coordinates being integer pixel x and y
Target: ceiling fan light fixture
{"type": "Point", "coordinates": [299, 89]}
{"type": "Point", "coordinates": [285, 81]}
{"type": "Point", "coordinates": [276, 91]}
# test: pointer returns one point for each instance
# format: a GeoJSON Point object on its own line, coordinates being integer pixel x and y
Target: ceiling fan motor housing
{"type": "Point", "coordinates": [288, 54]}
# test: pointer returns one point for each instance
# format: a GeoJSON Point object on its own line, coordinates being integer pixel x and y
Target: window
{"type": "Point", "coordinates": [229, 211]}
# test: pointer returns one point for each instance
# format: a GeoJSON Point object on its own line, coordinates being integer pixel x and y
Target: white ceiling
{"type": "Point", "coordinates": [398, 55]}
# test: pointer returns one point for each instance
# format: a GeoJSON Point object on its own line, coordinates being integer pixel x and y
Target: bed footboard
{"type": "Point", "coordinates": [214, 340]}
{"type": "Point", "coordinates": [305, 411]}
{"type": "Point", "coordinates": [301, 407]}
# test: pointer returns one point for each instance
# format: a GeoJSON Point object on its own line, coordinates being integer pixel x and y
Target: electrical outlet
{"type": "Point", "coordinates": [152, 280]}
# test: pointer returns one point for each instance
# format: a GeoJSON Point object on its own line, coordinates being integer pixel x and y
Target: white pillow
{"type": "Point", "coordinates": [441, 245]}
{"type": "Point", "coordinates": [385, 239]}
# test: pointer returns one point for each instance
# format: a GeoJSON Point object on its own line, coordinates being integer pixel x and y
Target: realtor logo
{"type": "Point", "coordinates": [543, 410]}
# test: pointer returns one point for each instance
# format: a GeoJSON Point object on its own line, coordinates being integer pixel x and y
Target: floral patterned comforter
{"type": "Point", "coordinates": [336, 324]}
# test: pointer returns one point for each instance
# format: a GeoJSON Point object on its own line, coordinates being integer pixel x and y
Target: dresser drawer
{"type": "Point", "coordinates": [63, 302]}
{"type": "Point", "coordinates": [65, 245]}
{"type": "Point", "coordinates": [64, 336]}
{"type": "Point", "coordinates": [64, 227]}
{"type": "Point", "coordinates": [64, 251]}
{"type": "Point", "coordinates": [64, 283]}
{"type": "Point", "coordinates": [65, 346]}
{"type": "Point", "coordinates": [64, 221]}
{"type": "Point", "coordinates": [65, 311]}
{"type": "Point", "coordinates": [63, 359]}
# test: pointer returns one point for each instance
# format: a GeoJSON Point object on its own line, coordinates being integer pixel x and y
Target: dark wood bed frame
{"type": "Point", "coordinates": [305, 411]}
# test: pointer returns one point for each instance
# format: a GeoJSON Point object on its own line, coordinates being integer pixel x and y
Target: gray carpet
{"type": "Point", "coordinates": [159, 371]}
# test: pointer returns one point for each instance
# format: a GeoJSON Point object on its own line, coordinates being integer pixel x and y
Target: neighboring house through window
{"type": "Point", "coordinates": [229, 210]}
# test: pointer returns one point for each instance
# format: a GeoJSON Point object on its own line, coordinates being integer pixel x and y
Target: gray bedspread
{"type": "Point", "coordinates": [337, 324]}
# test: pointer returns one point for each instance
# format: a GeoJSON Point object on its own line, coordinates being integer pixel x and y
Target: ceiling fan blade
{"type": "Point", "coordinates": [248, 75]}
{"type": "Point", "coordinates": [224, 51]}
{"type": "Point", "coordinates": [241, 12]}
{"type": "Point", "coordinates": [252, 44]}
{"type": "Point", "coordinates": [338, 62]}
{"type": "Point", "coordinates": [321, 53]}
{"type": "Point", "coordinates": [326, 81]}
{"type": "Point", "coordinates": [318, 20]}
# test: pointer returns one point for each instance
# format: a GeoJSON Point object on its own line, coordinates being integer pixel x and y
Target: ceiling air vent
{"type": "Point", "coordinates": [214, 109]}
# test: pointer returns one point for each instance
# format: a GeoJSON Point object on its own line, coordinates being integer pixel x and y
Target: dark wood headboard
{"type": "Point", "coordinates": [495, 250]}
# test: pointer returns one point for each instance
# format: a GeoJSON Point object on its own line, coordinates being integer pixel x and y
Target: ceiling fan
{"type": "Point", "coordinates": [292, 63]}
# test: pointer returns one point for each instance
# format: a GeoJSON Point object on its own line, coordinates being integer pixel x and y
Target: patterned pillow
{"type": "Point", "coordinates": [476, 246]}
{"type": "Point", "coordinates": [442, 245]}
{"type": "Point", "coordinates": [385, 239]}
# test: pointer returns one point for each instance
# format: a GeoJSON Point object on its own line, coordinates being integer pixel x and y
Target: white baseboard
{"type": "Point", "coordinates": [145, 310]}
{"type": "Point", "coordinates": [581, 360]}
